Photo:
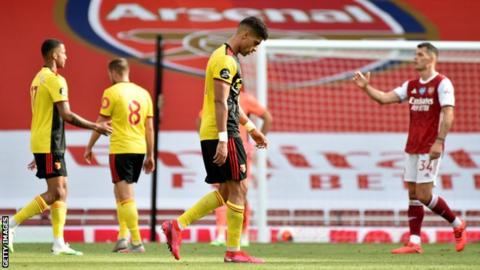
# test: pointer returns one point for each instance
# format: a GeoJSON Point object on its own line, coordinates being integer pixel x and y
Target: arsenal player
{"type": "Point", "coordinates": [431, 101]}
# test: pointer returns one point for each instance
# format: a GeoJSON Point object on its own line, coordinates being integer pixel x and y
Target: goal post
{"type": "Point", "coordinates": [306, 84]}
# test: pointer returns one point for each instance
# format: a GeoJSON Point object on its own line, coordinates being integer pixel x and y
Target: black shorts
{"type": "Point", "coordinates": [126, 167]}
{"type": "Point", "coordinates": [235, 167]}
{"type": "Point", "coordinates": [50, 165]}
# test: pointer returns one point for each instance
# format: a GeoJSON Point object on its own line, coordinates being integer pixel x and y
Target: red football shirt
{"type": "Point", "coordinates": [425, 99]}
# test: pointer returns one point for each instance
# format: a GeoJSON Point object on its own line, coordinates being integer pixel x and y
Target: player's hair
{"type": "Point", "coordinates": [430, 48]}
{"type": "Point", "coordinates": [256, 25]}
{"type": "Point", "coordinates": [118, 65]}
{"type": "Point", "coordinates": [48, 45]}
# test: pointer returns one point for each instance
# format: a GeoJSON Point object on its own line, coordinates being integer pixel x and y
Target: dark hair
{"type": "Point", "coordinates": [48, 45]}
{"type": "Point", "coordinates": [256, 25]}
{"type": "Point", "coordinates": [118, 65]}
{"type": "Point", "coordinates": [430, 48]}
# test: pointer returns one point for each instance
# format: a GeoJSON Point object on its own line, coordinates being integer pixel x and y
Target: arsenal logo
{"type": "Point", "coordinates": [193, 29]}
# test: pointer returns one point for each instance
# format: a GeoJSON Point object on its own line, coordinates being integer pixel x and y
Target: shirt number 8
{"type": "Point", "coordinates": [134, 115]}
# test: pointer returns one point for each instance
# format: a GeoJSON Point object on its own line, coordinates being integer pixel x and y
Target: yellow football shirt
{"type": "Point", "coordinates": [223, 65]}
{"type": "Point", "coordinates": [128, 105]}
{"type": "Point", "coordinates": [47, 127]}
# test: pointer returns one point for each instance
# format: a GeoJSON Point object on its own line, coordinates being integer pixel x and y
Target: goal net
{"type": "Point", "coordinates": [337, 149]}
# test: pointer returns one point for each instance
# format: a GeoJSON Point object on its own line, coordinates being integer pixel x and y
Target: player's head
{"type": "Point", "coordinates": [425, 56]}
{"type": "Point", "coordinates": [118, 69]}
{"type": "Point", "coordinates": [252, 32]}
{"type": "Point", "coordinates": [54, 50]}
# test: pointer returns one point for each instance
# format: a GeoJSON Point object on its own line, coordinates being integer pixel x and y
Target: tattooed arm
{"type": "Point", "coordinates": [63, 108]}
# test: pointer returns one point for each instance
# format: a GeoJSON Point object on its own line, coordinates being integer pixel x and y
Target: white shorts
{"type": "Point", "coordinates": [420, 169]}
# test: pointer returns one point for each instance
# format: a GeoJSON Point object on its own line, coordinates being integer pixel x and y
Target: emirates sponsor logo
{"type": "Point", "coordinates": [420, 104]}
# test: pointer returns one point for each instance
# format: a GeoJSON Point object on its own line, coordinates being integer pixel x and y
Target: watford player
{"type": "Point", "coordinates": [50, 108]}
{"type": "Point", "coordinates": [129, 108]}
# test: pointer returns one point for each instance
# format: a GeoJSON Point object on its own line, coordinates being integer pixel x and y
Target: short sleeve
{"type": "Point", "coordinates": [225, 68]}
{"type": "Point", "coordinates": [446, 93]}
{"type": "Point", "coordinates": [108, 100]}
{"type": "Point", "coordinates": [57, 88]}
{"type": "Point", "coordinates": [150, 106]}
{"type": "Point", "coordinates": [401, 91]}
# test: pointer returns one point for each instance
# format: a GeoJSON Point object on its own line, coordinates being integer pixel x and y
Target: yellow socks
{"type": "Point", "coordinates": [204, 206]}
{"type": "Point", "coordinates": [33, 208]}
{"type": "Point", "coordinates": [58, 212]}
{"type": "Point", "coordinates": [128, 210]}
{"type": "Point", "coordinates": [122, 224]}
{"type": "Point", "coordinates": [234, 225]}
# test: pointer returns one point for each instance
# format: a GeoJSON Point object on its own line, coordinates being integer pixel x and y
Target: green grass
{"type": "Point", "coordinates": [278, 256]}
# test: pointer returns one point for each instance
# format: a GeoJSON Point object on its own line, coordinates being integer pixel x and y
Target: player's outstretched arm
{"type": "Point", "coordinates": [63, 108]}
{"type": "Point", "coordinates": [363, 82]}
{"type": "Point", "coordinates": [149, 163]}
{"type": "Point", "coordinates": [221, 113]}
{"type": "Point", "coordinates": [88, 155]}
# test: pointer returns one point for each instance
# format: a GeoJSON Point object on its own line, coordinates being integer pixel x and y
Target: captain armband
{"type": "Point", "coordinates": [250, 126]}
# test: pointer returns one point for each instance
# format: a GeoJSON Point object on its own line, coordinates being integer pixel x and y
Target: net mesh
{"type": "Point", "coordinates": [310, 90]}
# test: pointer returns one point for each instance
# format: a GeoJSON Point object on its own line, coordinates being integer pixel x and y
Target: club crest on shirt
{"type": "Point", "coordinates": [105, 103]}
{"type": "Point", "coordinates": [225, 74]}
{"type": "Point", "coordinates": [237, 85]}
{"type": "Point", "coordinates": [430, 90]}
{"type": "Point", "coordinates": [422, 90]}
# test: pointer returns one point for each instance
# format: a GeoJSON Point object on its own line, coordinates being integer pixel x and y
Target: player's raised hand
{"type": "Point", "coordinates": [32, 165]}
{"type": "Point", "coordinates": [104, 128]}
{"type": "Point", "coordinates": [259, 138]}
{"type": "Point", "coordinates": [360, 79]}
{"type": "Point", "coordinates": [149, 165]}
{"type": "Point", "coordinates": [221, 153]}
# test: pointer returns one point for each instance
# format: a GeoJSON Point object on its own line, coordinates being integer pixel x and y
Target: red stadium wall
{"type": "Point", "coordinates": [26, 23]}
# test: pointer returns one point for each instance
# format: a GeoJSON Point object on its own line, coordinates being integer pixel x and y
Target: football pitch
{"type": "Point", "coordinates": [278, 256]}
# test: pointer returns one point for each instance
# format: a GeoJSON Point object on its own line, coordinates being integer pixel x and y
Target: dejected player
{"type": "Point", "coordinates": [129, 108]}
{"type": "Point", "coordinates": [223, 152]}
